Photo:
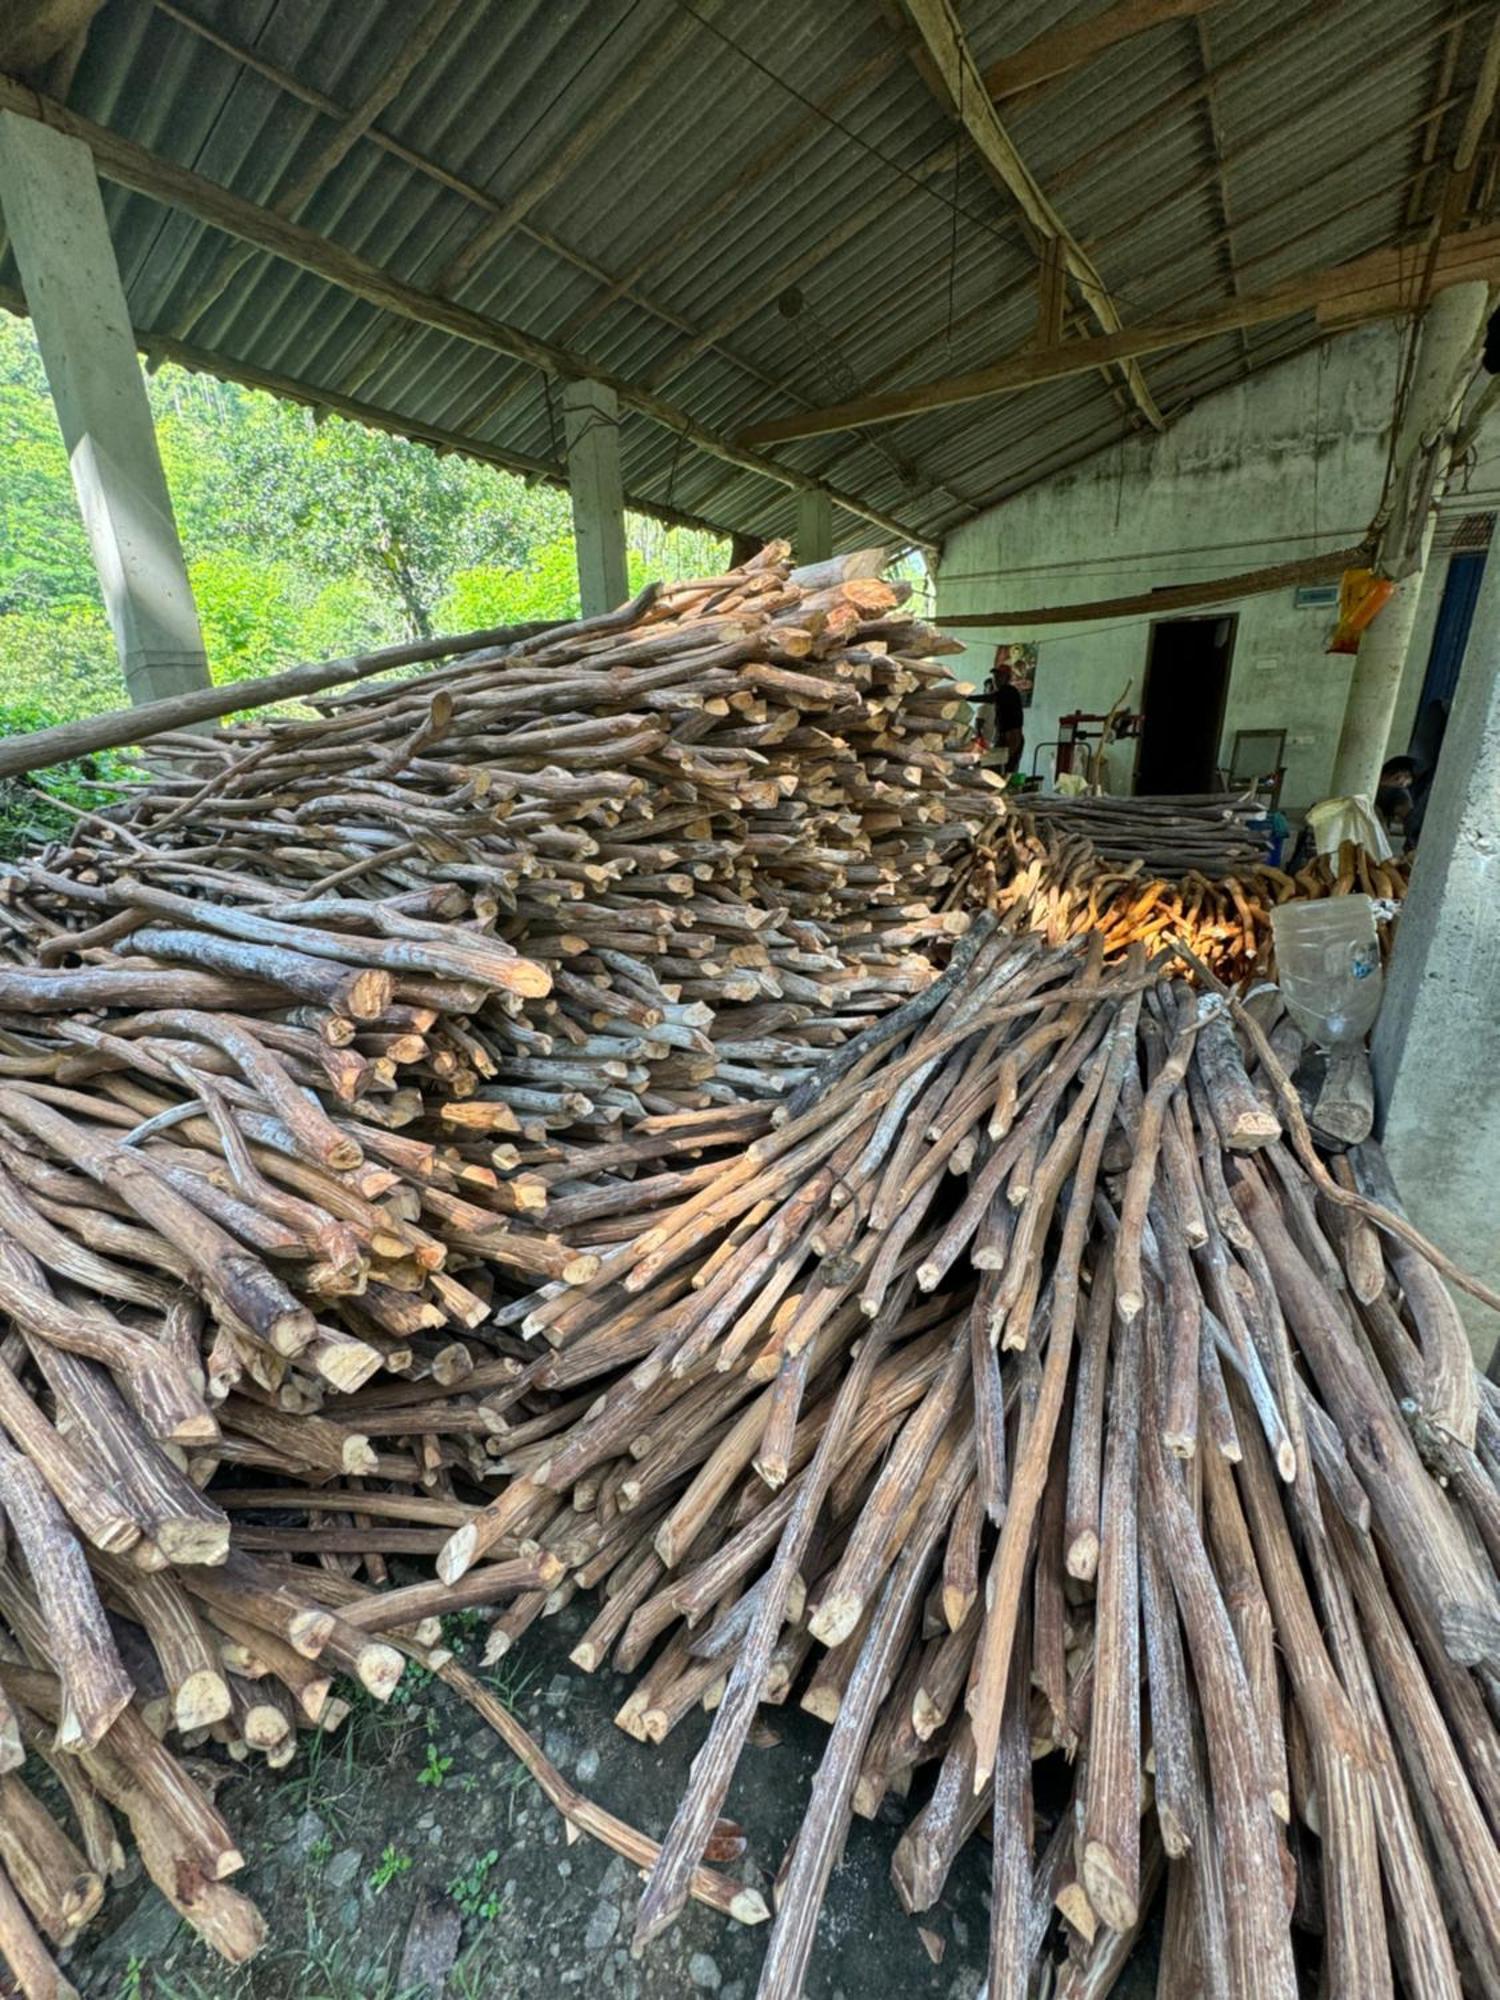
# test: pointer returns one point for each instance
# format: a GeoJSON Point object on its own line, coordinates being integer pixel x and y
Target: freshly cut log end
{"type": "Point", "coordinates": [459, 1553]}
{"type": "Point", "coordinates": [366, 994]}
{"type": "Point", "coordinates": [379, 1668]}
{"type": "Point", "coordinates": [201, 1699]}
{"type": "Point", "coordinates": [835, 1618]}
{"type": "Point", "coordinates": [1077, 1912]}
{"type": "Point", "coordinates": [1114, 1900]}
{"type": "Point", "coordinates": [957, 1605]}
{"type": "Point", "coordinates": [926, 1717]}
{"type": "Point", "coordinates": [359, 1456]}
{"type": "Point", "coordinates": [309, 1632]}
{"type": "Point", "coordinates": [266, 1728]}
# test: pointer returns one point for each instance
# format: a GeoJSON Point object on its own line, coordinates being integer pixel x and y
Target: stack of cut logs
{"type": "Point", "coordinates": [1024, 865]}
{"type": "Point", "coordinates": [1031, 1392]}
{"type": "Point", "coordinates": [516, 1118]}
{"type": "Point", "coordinates": [336, 1039]}
{"type": "Point", "coordinates": [1204, 833]}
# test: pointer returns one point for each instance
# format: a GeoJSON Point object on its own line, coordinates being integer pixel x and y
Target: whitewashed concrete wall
{"type": "Point", "coordinates": [1280, 467]}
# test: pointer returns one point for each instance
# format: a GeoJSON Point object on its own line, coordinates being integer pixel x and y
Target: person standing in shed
{"type": "Point", "coordinates": [1001, 694]}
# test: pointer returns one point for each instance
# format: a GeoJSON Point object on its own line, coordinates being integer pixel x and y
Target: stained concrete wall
{"type": "Point", "coordinates": [1285, 465]}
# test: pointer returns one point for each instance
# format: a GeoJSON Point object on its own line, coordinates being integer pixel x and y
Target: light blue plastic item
{"type": "Point", "coordinates": [1328, 965]}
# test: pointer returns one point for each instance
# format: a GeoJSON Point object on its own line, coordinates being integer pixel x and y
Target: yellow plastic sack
{"type": "Point", "coordinates": [1362, 597]}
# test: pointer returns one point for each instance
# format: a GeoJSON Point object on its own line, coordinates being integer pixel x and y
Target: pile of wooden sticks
{"type": "Point", "coordinates": [315, 1060]}
{"type": "Point", "coordinates": [1032, 1395]}
{"type": "Point", "coordinates": [518, 1118]}
{"type": "Point", "coordinates": [1025, 866]}
{"type": "Point", "coordinates": [1203, 833]}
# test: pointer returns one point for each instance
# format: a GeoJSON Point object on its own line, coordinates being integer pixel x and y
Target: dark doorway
{"type": "Point", "coordinates": [1187, 681]}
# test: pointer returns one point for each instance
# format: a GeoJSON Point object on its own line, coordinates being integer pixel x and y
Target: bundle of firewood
{"type": "Point", "coordinates": [1203, 833]}
{"type": "Point", "coordinates": [1033, 1391]}
{"type": "Point", "coordinates": [517, 1118]}
{"type": "Point", "coordinates": [338, 1038]}
{"type": "Point", "coordinates": [1025, 866]}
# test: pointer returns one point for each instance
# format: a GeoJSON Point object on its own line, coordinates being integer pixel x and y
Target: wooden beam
{"type": "Point", "coordinates": [1059, 49]}
{"type": "Point", "coordinates": [1447, 63]}
{"type": "Point", "coordinates": [963, 90]}
{"type": "Point", "coordinates": [159, 347]}
{"type": "Point", "coordinates": [483, 413]}
{"type": "Point", "coordinates": [352, 127]}
{"type": "Point", "coordinates": [1051, 294]}
{"type": "Point", "coordinates": [1383, 283]}
{"type": "Point", "coordinates": [129, 165]}
{"type": "Point", "coordinates": [1175, 597]}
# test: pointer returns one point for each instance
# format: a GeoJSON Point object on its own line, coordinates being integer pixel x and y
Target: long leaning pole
{"type": "Point", "coordinates": [118, 727]}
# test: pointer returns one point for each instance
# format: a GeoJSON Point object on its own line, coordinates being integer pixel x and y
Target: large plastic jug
{"type": "Point", "coordinates": [1328, 965]}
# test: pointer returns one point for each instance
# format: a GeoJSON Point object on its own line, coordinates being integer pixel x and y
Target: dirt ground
{"type": "Point", "coordinates": [418, 1811]}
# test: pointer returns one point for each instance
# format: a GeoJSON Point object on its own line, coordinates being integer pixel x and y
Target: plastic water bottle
{"type": "Point", "coordinates": [1328, 965]}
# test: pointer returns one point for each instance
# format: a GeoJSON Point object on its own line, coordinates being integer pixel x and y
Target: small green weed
{"type": "Point", "coordinates": [435, 1769]}
{"type": "Point", "coordinates": [391, 1864]}
{"type": "Point", "coordinates": [472, 1890]}
{"type": "Point", "coordinates": [413, 1684]}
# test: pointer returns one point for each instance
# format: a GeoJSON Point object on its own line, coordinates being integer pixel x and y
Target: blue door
{"type": "Point", "coordinates": [1451, 634]}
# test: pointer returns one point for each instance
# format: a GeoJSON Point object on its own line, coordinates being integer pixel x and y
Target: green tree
{"type": "Point", "coordinates": [305, 538]}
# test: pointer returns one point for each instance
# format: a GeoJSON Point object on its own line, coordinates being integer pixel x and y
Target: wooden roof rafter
{"type": "Point", "coordinates": [160, 347]}
{"type": "Point", "coordinates": [952, 72]}
{"type": "Point", "coordinates": [515, 214]}
{"type": "Point", "coordinates": [1055, 51]}
{"type": "Point", "coordinates": [1383, 283]}
{"type": "Point", "coordinates": [350, 126]}
{"type": "Point", "coordinates": [136, 167]}
{"type": "Point", "coordinates": [1212, 118]}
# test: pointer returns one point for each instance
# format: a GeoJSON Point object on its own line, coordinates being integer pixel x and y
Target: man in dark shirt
{"type": "Point", "coordinates": [1010, 717]}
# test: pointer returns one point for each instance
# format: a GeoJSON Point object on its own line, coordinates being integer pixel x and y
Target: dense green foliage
{"type": "Point", "coordinates": [304, 538]}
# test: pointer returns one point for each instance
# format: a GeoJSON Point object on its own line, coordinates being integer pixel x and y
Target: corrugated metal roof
{"type": "Point", "coordinates": [753, 208]}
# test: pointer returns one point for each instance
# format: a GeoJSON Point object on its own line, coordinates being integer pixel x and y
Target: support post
{"type": "Point", "coordinates": [814, 528]}
{"type": "Point", "coordinates": [55, 215]}
{"type": "Point", "coordinates": [1450, 334]}
{"type": "Point", "coordinates": [591, 421]}
{"type": "Point", "coordinates": [1436, 1047]}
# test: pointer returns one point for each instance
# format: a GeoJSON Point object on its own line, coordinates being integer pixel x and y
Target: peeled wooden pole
{"type": "Point", "coordinates": [120, 726]}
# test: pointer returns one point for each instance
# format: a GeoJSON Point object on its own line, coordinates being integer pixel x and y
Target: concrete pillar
{"type": "Point", "coordinates": [1436, 1046]}
{"type": "Point", "coordinates": [1451, 329]}
{"type": "Point", "coordinates": [58, 232]}
{"type": "Point", "coordinates": [814, 528]}
{"type": "Point", "coordinates": [591, 420]}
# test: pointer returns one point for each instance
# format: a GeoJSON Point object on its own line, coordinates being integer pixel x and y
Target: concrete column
{"type": "Point", "coordinates": [814, 528]}
{"type": "Point", "coordinates": [1450, 334]}
{"type": "Point", "coordinates": [591, 420]}
{"type": "Point", "coordinates": [1436, 1046]}
{"type": "Point", "coordinates": [58, 232]}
